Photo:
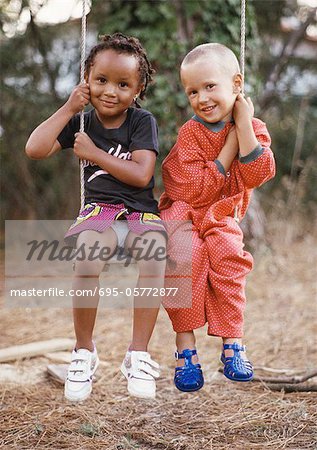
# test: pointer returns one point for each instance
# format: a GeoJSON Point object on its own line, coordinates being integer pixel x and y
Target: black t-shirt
{"type": "Point", "coordinates": [138, 132]}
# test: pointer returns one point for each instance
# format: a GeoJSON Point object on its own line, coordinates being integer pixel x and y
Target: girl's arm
{"type": "Point", "coordinates": [43, 141]}
{"type": "Point", "coordinates": [136, 172]}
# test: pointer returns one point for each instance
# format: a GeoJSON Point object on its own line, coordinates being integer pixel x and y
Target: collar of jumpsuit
{"type": "Point", "coordinates": [216, 127]}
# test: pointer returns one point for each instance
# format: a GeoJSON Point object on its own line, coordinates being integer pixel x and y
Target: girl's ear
{"type": "Point", "coordinates": [141, 88]}
{"type": "Point", "coordinates": [237, 83]}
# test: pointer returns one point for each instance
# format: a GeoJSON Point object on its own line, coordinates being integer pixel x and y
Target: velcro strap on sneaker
{"type": "Point", "coordinates": [149, 370]}
{"type": "Point", "coordinates": [144, 363]}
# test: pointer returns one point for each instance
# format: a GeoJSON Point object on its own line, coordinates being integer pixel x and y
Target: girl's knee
{"type": "Point", "coordinates": [88, 268]}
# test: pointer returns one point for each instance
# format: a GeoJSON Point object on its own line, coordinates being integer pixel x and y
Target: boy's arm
{"type": "Point", "coordinates": [229, 150]}
{"type": "Point", "coordinates": [43, 143]}
{"type": "Point", "coordinates": [256, 161]}
{"type": "Point", "coordinates": [189, 177]}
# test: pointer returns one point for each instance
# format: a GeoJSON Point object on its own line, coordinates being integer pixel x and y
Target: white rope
{"type": "Point", "coordinates": [242, 68]}
{"type": "Point", "coordinates": [82, 79]}
{"type": "Point", "coordinates": [242, 38]}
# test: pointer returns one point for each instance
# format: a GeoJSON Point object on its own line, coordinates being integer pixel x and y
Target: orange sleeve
{"type": "Point", "coordinates": [258, 166]}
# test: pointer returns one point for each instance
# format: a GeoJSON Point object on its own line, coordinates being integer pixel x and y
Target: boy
{"type": "Point", "coordinates": [220, 155]}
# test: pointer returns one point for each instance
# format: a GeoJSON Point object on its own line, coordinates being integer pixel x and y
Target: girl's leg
{"type": "Point", "coordinates": [86, 280]}
{"type": "Point", "coordinates": [138, 367]}
{"type": "Point", "coordinates": [146, 249]}
{"type": "Point", "coordinates": [84, 362]}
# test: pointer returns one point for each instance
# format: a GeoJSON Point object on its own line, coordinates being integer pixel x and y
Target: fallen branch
{"type": "Point", "coordinates": [288, 380]}
{"type": "Point", "coordinates": [293, 387]}
{"type": "Point", "coordinates": [284, 380]}
{"type": "Point", "coordinates": [271, 369]}
{"type": "Point", "coordinates": [35, 349]}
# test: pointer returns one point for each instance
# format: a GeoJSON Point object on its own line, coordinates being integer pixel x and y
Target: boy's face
{"type": "Point", "coordinates": [211, 90]}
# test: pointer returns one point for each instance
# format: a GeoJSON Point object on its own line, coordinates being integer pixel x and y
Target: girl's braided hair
{"type": "Point", "coordinates": [124, 44]}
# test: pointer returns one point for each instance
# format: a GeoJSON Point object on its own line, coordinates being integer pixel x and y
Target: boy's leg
{"type": "Point", "coordinates": [185, 340]}
{"type": "Point", "coordinates": [228, 270]}
{"type": "Point", "coordinates": [229, 352]}
{"type": "Point", "coordinates": [229, 266]}
{"type": "Point", "coordinates": [186, 309]}
{"type": "Point", "coordinates": [188, 374]}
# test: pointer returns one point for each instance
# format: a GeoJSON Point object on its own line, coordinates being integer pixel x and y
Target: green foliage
{"type": "Point", "coordinates": [29, 76]}
{"type": "Point", "coordinates": [35, 65]}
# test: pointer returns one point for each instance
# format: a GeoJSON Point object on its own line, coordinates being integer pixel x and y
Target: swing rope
{"type": "Point", "coordinates": [242, 68]}
{"type": "Point", "coordinates": [82, 79]}
{"type": "Point", "coordinates": [242, 39]}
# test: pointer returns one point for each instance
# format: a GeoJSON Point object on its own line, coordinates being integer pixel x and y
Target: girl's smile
{"type": "Point", "coordinates": [114, 82]}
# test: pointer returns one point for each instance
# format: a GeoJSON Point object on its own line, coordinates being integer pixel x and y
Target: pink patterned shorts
{"type": "Point", "coordinates": [100, 216]}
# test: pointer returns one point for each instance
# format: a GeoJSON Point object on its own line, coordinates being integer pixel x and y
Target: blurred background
{"type": "Point", "coordinates": [40, 54]}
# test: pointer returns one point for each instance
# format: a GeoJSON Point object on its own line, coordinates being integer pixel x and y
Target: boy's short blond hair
{"type": "Point", "coordinates": [221, 54]}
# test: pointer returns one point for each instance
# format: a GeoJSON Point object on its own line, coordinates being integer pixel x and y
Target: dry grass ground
{"type": "Point", "coordinates": [280, 333]}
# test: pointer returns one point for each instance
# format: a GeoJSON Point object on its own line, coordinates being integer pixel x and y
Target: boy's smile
{"type": "Point", "coordinates": [114, 81]}
{"type": "Point", "coordinates": [211, 90]}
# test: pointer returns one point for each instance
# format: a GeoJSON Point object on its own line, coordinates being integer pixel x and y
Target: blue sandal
{"type": "Point", "coordinates": [189, 377]}
{"type": "Point", "coordinates": [236, 368]}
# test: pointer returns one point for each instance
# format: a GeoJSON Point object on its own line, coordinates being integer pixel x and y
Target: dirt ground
{"type": "Point", "coordinates": [280, 333]}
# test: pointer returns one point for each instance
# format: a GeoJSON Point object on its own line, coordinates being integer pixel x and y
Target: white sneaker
{"type": "Point", "coordinates": [140, 371]}
{"type": "Point", "coordinates": [78, 384]}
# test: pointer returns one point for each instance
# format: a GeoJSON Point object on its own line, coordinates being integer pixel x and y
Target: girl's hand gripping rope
{"type": "Point", "coordinates": [79, 98]}
{"type": "Point", "coordinates": [84, 147]}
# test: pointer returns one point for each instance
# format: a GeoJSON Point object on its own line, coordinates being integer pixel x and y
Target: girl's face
{"type": "Point", "coordinates": [210, 89]}
{"type": "Point", "coordinates": [114, 81]}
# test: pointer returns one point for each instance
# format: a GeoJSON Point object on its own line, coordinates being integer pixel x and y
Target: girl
{"type": "Point", "coordinates": [119, 149]}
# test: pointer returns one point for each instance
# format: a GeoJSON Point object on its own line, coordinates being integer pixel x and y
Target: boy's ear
{"type": "Point", "coordinates": [237, 83]}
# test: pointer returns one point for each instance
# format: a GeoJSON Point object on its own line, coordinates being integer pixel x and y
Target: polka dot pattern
{"type": "Point", "coordinates": [197, 191]}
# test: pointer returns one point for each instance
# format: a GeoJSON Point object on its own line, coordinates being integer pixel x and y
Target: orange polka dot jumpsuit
{"type": "Point", "coordinates": [198, 189]}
